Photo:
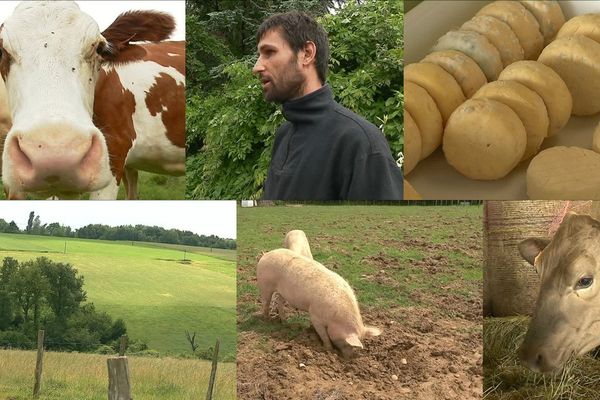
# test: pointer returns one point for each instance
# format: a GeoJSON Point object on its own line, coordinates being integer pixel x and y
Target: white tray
{"type": "Point", "coordinates": [434, 178]}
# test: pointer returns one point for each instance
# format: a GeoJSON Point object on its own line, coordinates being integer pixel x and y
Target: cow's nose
{"type": "Point", "coordinates": [56, 158]}
{"type": "Point", "coordinates": [536, 359]}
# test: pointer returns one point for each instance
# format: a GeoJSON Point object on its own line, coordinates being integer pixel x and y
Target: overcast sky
{"type": "Point", "coordinates": [201, 217]}
{"type": "Point", "coordinates": [105, 12]}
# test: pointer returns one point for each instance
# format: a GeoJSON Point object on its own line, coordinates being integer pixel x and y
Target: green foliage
{"type": "Point", "coordinates": [42, 294]}
{"type": "Point", "coordinates": [366, 44]}
{"type": "Point", "coordinates": [147, 353]}
{"type": "Point", "coordinates": [105, 349]}
{"type": "Point", "coordinates": [203, 53]}
{"type": "Point", "coordinates": [230, 129]}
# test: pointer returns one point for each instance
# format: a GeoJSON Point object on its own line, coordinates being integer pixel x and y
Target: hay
{"type": "Point", "coordinates": [506, 379]}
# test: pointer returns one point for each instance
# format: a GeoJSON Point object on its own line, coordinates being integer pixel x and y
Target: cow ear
{"type": "Point", "coordinates": [106, 50]}
{"type": "Point", "coordinates": [531, 248]}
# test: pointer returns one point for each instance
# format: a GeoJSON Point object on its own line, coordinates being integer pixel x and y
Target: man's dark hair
{"type": "Point", "coordinates": [298, 28]}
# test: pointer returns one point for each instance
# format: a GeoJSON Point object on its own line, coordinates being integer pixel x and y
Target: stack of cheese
{"type": "Point", "coordinates": [572, 173]}
{"type": "Point", "coordinates": [463, 61]}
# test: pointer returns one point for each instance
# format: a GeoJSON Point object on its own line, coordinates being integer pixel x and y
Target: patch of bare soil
{"type": "Point", "coordinates": [420, 356]}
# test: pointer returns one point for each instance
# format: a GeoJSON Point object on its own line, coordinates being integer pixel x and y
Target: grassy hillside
{"type": "Point", "coordinates": [157, 294]}
{"type": "Point", "coordinates": [72, 376]}
{"type": "Point", "coordinates": [224, 254]}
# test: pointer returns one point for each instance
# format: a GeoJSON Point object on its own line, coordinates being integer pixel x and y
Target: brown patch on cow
{"type": "Point", "coordinates": [167, 54]}
{"type": "Point", "coordinates": [4, 59]}
{"type": "Point", "coordinates": [131, 53]}
{"type": "Point", "coordinates": [115, 109]}
{"type": "Point", "coordinates": [136, 26]}
{"type": "Point", "coordinates": [165, 97]}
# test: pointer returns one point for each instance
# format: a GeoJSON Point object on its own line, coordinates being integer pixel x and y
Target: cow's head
{"type": "Point", "coordinates": [51, 55]}
{"type": "Point", "coordinates": [566, 321]}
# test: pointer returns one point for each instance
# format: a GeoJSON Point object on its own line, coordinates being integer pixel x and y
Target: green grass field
{"type": "Point", "coordinates": [72, 376]}
{"type": "Point", "coordinates": [355, 240]}
{"type": "Point", "coordinates": [157, 294]}
{"type": "Point", "coordinates": [150, 187]}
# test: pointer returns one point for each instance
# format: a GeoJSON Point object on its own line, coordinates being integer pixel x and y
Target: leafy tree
{"type": "Point", "coordinates": [12, 228]}
{"type": "Point", "coordinates": [29, 288]}
{"type": "Point", "coordinates": [65, 288]}
{"type": "Point", "coordinates": [6, 309]}
{"type": "Point", "coordinates": [7, 271]}
{"type": "Point", "coordinates": [30, 222]}
{"type": "Point", "coordinates": [37, 228]}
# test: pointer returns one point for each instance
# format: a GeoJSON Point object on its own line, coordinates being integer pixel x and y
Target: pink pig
{"type": "Point", "coordinates": [307, 285]}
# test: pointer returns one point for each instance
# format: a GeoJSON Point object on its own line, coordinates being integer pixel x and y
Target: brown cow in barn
{"type": "Point", "coordinates": [89, 109]}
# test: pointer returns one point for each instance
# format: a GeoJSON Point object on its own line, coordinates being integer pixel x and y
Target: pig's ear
{"type": "Point", "coordinates": [354, 341]}
{"type": "Point", "coordinates": [372, 331]}
{"type": "Point", "coordinates": [531, 248]}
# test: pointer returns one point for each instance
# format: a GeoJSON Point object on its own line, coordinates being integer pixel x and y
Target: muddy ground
{"type": "Point", "coordinates": [431, 345]}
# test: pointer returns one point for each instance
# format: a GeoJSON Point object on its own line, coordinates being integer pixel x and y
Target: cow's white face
{"type": "Point", "coordinates": [566, 321]}
{"type": "Point", "coordinates": [50, 63]}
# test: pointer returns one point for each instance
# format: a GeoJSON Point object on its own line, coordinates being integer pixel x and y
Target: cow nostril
{"type": "Point", "coordinates": [17, 154]}
{"type": "Point", "coordinates": [539, 359]}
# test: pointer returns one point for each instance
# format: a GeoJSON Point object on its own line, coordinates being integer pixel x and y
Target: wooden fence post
{"type": "Point", "coordinates": [39, 364]}
{"type": "Point", "coordinates": [119, 385]}
{"type": "Point", "coordinates": [123, 345]}
{"type": "Point", "coordinates": [213, 372]}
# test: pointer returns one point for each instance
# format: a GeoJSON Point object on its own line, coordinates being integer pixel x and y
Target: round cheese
{"type": "Point", "coordinates": [442, 86]}
{"type": "Point", "coordinates": [426, 115]}
{"type": "Point", "coordinates": [548, 85]}
{"type": "Point", "coordinates": [564, 173]}
{"type": "Point", "coordinates": [484, 139]}
{"type": "Point", "coordinates": [499, 34]}
{"type": "Point", "coordinates": [410, 193]}
{"type": "Point", "coordinates": [412, 143]}
{"type": "Point", "coordinates": [462, 67]}
{"type": "Point", "coordinates": [521, 21]}
{"type": "Point", "coordinates": [576, 59]}
{"type": "Point", "coordinates": [528, 105]}
{"type": "Point", "coordinates": [596, 140]}
{"type": "Point", "coordinates": [548, 14]}
{"type": "Point", "coordinates": [476, 46]}
{"type": "Point", "coordinates": [586, 25]}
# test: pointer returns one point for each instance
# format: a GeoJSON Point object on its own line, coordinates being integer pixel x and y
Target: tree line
{"type": "Point", "coordinates": [43, 294]}
{"type": "Point", "coordinates": [140, 233]}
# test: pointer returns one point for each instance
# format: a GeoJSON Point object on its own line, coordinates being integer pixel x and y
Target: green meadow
{"type": "Point", "coordinates": [159, 291]}
{"type": "Point", "coordinates": [73, 376]}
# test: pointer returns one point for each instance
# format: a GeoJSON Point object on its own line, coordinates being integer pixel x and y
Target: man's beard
{"type": "Point", "coordinates": [290, 86]}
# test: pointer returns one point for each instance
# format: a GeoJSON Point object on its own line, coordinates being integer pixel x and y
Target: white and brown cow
{"type": "Point", "coordinates": [566, 321]}
{"type": "Point", "coordinates": [89, 108]}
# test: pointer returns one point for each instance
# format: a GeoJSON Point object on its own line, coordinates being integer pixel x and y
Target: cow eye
{"type": "Point", "coordinates": [584, 282]}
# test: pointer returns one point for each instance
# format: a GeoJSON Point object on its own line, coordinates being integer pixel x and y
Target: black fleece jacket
{"type": "Point", "coordinates": [326, 152]}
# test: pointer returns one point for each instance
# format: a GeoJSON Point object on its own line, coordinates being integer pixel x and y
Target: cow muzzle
{"type": "Point", "coordinates": [539, 359]}
{"type": "Point", "coordinates": [56, 158]}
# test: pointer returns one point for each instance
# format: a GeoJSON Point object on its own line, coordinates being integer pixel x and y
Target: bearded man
{"type": "Point", "coordinates": [323, 151]}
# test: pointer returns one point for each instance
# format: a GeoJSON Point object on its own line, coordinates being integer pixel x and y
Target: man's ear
{"type": "Point", "coordinates": [310, 53]}
{"type": "Point", "coordinates": [531, 248]}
